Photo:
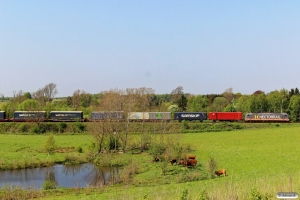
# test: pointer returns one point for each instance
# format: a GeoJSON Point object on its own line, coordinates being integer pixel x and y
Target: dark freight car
{"type": "Point", "coordinates": [225, 116]}
{"type": "Point", "coordinates": [267, 117]}
{"type": "Point", "coordinates": [66, 116]}
{"type": "Point", "coordinates": [2, 116]}
{"type": "Point", "coordinates": [22, 116]}
{"type": "Point", "coordinates": [190, 116]}
{"type": "Point", "coordinates": [109, 115]}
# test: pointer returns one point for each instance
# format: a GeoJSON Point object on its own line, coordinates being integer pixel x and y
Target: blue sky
{"type": "Point", "coordinates": [203, 46]}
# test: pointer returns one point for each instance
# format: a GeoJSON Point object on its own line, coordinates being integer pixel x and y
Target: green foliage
{"type": "Point", "coordinates": [184, 194]}
{"type": "Point", "coordinates": [157, 149]}
{"type": "Point", "coordinates": [182, 103]}
{"type": "Point", "coordinates": [114, 142]}
{"type": "Point", "coordinates": [79, 149]}
{"type": "Point", "coordinates": [294, 108]}
{"type": "Point", "coordinates": [30, 105]}
{"type": "Point", "coordinates": [173, 108]}
{"type": "Point", "coordinates": [23, 127]}
{"type": "Point", "coordinates": [254, 194]}
{"type": "Point", "coordinates": [219, 104]}
{"type": "Point", "coordinates": [50, 145]}
{"type": "Point", "coordinates": [78, 127]}
{"type": "Point", "coordinates": [185, 125]}
{"type": "Point", "coordinates": [203, 195]}
{"type": "Point", "coordinates": [212, 165]}
{"type": "Point", "coordinates": [62, 127]}
{"type": "Point", "coordinates": [49, 185]}
{"type": "Point", "coordinates": [230, 108]}
{"type": "Point", "coordinates": [39, 129]}
{"type": "Point", "coordinates": [197, 103]}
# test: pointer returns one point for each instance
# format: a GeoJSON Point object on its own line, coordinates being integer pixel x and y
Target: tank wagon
{"type": "Point", "coordinates": [225, 116]}
{"type": "Point", "coordinates": [107, 115]}
{"type": "Point", "coordinates": [190, 116]}
{"type": "Point", "coordinates": [65, 116]}
{"type": "Point", "coordinates": [267, 117]}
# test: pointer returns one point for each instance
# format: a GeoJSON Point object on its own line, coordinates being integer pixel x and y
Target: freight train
{"type": "Point", "coordinates": [71, 116]}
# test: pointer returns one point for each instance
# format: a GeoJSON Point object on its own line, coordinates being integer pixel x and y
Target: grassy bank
{"type": "Point", "coordinates": [259, 163]}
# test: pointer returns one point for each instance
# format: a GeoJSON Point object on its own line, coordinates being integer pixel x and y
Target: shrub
{"type": "Point", "coordinates": [50, 144]}
{"type": "Point", "coordinates": [184, 195]}
{"type": "Point", "coordinates": [62, 127]}
{"type": "Point", "coordinates": [203, 195]}
{"type": "Point", "coordinates": [23, 128]}
{"type": "Point", "coordinates": [212, 165]}
{"type": "Point", "coordinates": [79, 149]}
{"type": "Point", "coordinates": [49, 185]}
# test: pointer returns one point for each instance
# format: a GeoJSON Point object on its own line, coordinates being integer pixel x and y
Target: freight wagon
{"type": "Point", "coordinates": [107, 115]}
{"type": "Point", "coordinates": [2, 116]}
{"type": "Point", "coordinates": [22, 116]}
{"type": "Point", "coordinates": [267, 117]}
{"type": "Point", "coordinates": [190, 116]}
{"type": "Point", "coordinates": [66, 116]}
{"type": "Point", "coordinates": [225, 116]}
{"type": "Point", "coordinates": [149, 116]}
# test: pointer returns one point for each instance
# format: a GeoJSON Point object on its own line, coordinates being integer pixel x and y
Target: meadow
{"type": "Point", "coordinates": [259, 163]}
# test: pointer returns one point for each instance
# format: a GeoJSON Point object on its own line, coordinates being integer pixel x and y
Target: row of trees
{"type": "Point", "coordinates": [145, 99]}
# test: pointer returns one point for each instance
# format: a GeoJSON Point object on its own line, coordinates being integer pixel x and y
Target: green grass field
{"type": "Point", "coordinates": [265, 159]}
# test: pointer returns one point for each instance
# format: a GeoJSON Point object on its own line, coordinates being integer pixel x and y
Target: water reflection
{"type": "Point", "coordinates": [84, 175]}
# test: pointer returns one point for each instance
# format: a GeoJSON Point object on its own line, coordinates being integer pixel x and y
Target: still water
{"type": "Point", "coordinates": [84, 175]}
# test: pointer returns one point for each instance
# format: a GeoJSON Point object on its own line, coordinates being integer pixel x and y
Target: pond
{"type": "Point", "coordinates": [69, 176]}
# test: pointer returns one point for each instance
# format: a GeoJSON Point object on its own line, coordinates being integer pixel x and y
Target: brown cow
{"type": "Point", "coordinates": [220, 172]}
{"type": "Point", "coordinates": [181, 162]}
{"type": "Point", "coordinates": [191, 163]}
{"type": "Point", "coordinates": [191, 157]}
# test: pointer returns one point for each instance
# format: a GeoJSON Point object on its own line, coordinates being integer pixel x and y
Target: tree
{"type": "Point", "coordinates": [219, 104]}
{"type": "Point", "coordinates": [176, 94]}
{"type": "Point", "coordinates": [45, 94]}
{"type": "Point", "coordinates": [197, 103]}
{"type": "Point", "coordinates": [50, 91]}
{"type": "Point", "coordinates": [76, 100]}
{"type": "Point", "coordinates": [294, 108]}
{"type": "Point", "coordinates": [228, 94]}
{"type": "Point", "coordinates": [50, 145]}
{"type": "Point", "coordinates": [182, 103]}
{"type": "Point", "coordinates": [27, 95]}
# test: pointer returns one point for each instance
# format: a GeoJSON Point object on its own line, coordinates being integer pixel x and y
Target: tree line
{"type": "Point", "coordinates": [144, 100]}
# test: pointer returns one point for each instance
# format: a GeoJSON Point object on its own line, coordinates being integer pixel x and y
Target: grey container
{"type": "Point", "coordinates": [105, 115]}
{"type": "Point", "coordinates": [29, 115]}
{"type": "Point", "coordinates": [160, 115]}
{"type": "Point", "coordinates": [66, 115]}
{"type": "Point", "coordinates": [138, 115]}
{"type": "Point", "coordinates": [190, 116]}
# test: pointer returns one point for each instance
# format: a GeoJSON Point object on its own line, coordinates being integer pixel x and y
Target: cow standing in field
{"type": "Point", "coordinates": [220, 172]}
{"type": "Point", "coordinates": [191, 163]}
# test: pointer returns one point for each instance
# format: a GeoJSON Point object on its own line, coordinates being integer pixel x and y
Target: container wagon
{"type": "Point", "coordinates": [66, 116]}
{"type": "Point", "coordinates": [3, 116]}
{"type": "Point", "coordinates": [190, 116]}
{"type": "Point", "coordinates": [138, 116]}
{"type": "Point", "coordinates": [267, 117]}
{"type": "Point", "coordinates": [225, 116]}
{"type": "Point", "coordinates": [107, 115]}
{"type": "Point", "coordinates": [160, 116]}
{"type": "Point", "coordinates": [32, 116]}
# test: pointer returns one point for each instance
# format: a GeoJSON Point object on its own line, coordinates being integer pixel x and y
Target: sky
{"type": "Point", "coordinates": [96, 45]}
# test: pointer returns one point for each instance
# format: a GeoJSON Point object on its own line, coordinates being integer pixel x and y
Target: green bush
{"type": "Point", "coordinates": [23, 128]}
{"type": "Point", "coordinates": [49, 185]}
